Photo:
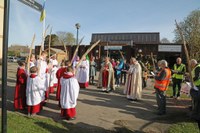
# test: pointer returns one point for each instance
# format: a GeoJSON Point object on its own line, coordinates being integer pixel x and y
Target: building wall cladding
{"type": "Point", "coordinates": [137, 38]}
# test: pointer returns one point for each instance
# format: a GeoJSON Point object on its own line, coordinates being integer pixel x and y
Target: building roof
{"type": "Point", "coordinates": [128, 38]}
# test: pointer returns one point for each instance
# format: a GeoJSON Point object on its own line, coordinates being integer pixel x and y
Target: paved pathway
{"type": "Point", "coordinates": [99, 111]}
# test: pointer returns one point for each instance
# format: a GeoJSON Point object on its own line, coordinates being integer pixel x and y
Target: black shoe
{"type": "Point", "coordinates": [109, 90]}
{"type": "Point", "coordinates": [72, 118]}
{"type": "Point", "coordinates": [161, 113]}
{"type": "Point", "coordinates": [135, 99]}
{"type": "Point", "coordinates": [130, 99]}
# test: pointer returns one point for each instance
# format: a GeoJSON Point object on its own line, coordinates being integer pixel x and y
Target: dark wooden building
{"type": "Point", "coordinates": [129, 44]}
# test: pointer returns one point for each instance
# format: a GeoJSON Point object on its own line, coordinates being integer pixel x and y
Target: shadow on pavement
{"type": "Point", "coordinates": [82, 128]}
{"type": "Point", "coordinates": [145, 109]}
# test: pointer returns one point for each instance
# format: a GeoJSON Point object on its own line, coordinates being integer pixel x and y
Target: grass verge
{"type": "Point", "coordinates": [169, 93]}
{"type": "Point", "coordinates": [23, 124]}
{"type": "Point", "coordinates": [184, 127]}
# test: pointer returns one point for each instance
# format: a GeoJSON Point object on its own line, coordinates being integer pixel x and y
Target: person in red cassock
{"type": "Point", "coordinates": [59, 75]}
{"type": "Point", "coordinates": [20, 88]}
{"type": "Point", "coordinates": [106, 79]}
{"type": "Point", "coordinates": [69, 94]}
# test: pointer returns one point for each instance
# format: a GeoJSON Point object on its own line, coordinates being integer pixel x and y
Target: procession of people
{"type": "Point", "coordinates": [64, 78]}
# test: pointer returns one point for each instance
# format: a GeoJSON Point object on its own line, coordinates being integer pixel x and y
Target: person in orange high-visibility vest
{"type": "Point", "coordinates": [162, 80]}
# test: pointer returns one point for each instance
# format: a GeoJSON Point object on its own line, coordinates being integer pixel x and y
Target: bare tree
{"type": "Point", "coordinates": [191, 31]}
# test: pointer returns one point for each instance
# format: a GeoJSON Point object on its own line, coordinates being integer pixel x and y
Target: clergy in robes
{"type": "Point", "coordinates": [82, 73]}
{"type": "Point", "coordinates": [133, 87]}
{"type": "Point", "coordinates": [34, 92]}
{"type": "Point", "coordinates": [69, 94]}
{"type": "Point", "coordinates": [20, 88]}
{"type": "Point", "coordinates": [53, 79]}
{"type": "Point", "coordinates": [42, 72]}
{"type": "Point", "coordinates": [106, 76]}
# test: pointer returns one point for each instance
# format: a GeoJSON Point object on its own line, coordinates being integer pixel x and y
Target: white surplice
{"type": "Point", "coordinates": [133, 87]}
{"type": "Point", "coordinates": [34, 91]}
{"type": "Point", "coordinates": [53, 78]}
{"type": "Point", "coordinates": [32, 64]}
{"type": "Point", "coordinates": [82, 73]}
{"type": "Point", "coordinates": [42, 66]}
{"type": "Point", "coordinates": [69, 92]}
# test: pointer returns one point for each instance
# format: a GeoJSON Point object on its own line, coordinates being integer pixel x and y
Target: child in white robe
{"type": "Point", "coordinates": [69, 94]}
{"type": "Point", "coordinates": [82, 73]}
{"type": "Point", "coordinates": [53, 78]}
{"type": "Point", "coordinates": [43, 72]}
{"type": "Point", "coordinates": [35, 93]}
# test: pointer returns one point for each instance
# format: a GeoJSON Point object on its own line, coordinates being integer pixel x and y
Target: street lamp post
{"type": "Point", "coordinates": [77, 27]}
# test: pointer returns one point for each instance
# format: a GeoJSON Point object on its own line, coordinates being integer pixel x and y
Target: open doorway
{"type": "Point", "coordinates": [169, 57]}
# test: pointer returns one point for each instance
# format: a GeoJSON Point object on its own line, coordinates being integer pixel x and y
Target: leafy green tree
{"type": "Point", "coordinates": [66, 37]}
{"type": "Point", "coordinates": [13, 53]}
{"type": "Point", "coordinates": [164, 40]}
{"type": "Point", "coordinates": [190, 27]}
{"type": "Point", "coordinates": [70, 39]}
{"type": "Point", "coordinates": [54, 40]}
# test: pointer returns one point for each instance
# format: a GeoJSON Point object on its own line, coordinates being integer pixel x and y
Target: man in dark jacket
{"type": "Point", "coordinates": [123, 73]}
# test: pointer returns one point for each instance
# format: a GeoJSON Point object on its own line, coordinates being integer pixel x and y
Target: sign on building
{"type": "Point", "coordinates": [33, 4]}
{"type": "Point", "coordinates": [169, 48]}
{"type": "Point", "coordinates": [112, 47]}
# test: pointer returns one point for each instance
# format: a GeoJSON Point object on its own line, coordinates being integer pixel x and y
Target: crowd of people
{"type": "Point", "coordinates": [33, 86]}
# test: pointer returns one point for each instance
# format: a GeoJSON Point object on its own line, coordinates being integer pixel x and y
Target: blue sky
{"type": "Point", "coordinates": [98, 16]}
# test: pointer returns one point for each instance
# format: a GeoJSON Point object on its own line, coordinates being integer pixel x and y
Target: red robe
{"type": "Point", "coordinates": [20, 90]}
{"type": "Point", "coordinates": [68, 113]}
{"type": "Point", "coordinates": [59, 74]}
{"type": "Point", "coordinates": [84, 85]}
{"type": "Point", "coordinates": [105, 77]}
